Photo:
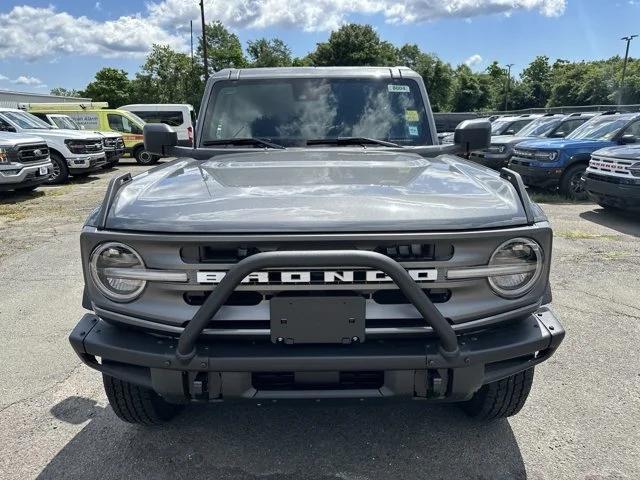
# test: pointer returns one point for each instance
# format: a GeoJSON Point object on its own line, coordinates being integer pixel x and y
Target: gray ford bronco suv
{"type": "Point", "coordinates": [316, 243]}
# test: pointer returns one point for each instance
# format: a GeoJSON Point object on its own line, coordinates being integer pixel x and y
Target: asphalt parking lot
{"type": "Point", "coordinates": [582, 420]}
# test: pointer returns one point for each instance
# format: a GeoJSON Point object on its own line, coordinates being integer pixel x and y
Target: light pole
{"type": "Point", "coordinates": [624, 65]}
{"type": "Point", "coordinates": [204, 43]}
{"type": "Point", "coordinates": [506, 92]}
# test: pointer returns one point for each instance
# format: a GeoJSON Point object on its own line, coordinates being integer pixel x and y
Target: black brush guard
{"type": "Point", "coordinates": [336, 258]}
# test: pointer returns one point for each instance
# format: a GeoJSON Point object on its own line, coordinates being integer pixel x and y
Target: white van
{"type": "Point", "coordinates": [181, 117]}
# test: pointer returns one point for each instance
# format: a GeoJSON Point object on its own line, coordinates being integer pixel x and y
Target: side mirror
{"type": "Point", "coordinates": [81, 127]}
{"type": "Point", "coordinates": [558, 135]}
{"type": "Point", "coordinates": [472, 135]}
{"type": "Point", "coordinates": [627, 139]}
{"type": "Point", "coordinates": [158, 138]}
{"type": "Point", "coordinates": [511, 131]}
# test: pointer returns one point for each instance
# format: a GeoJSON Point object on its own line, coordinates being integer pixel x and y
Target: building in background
{"type": "Point", "coordinates": [11, 99]}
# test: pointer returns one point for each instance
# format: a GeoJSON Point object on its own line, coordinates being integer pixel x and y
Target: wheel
{"type": "Point", "coordinates": [572, 185]}
{"type": "Point", "coordinates": [500, 399]}
{"type": "Point", "coordinates": [144, 158]}
{"type": "Point", "coordinates": [60, 170]}
{"type": "Point", "coordinates": [136, 404]}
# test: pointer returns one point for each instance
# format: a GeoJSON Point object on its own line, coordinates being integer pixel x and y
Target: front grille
{"type": "Point", "coordinates": [381, 297]}
{"type": "Point", "coordinates": [612, 179]}
{"type": "Point", "coordinates": [347, 380]}
{"type": "Point", "coordinates": [84, 147]}
{"type": "Point", "coordinates": [406, 252]}
{"type": "Point", "coordinates": [531, 154]}
{"type": "Point", "coordinates": [33, 153]}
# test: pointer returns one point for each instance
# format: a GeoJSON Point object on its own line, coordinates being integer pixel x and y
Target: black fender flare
{"type": "Point", "coordinates": [578, 158]}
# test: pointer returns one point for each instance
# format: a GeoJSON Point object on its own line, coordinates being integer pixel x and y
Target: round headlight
{"type": "Point", "coordinates": [525, 256]}
{"type": "Point", "coordinates": [553, 156]}
{"type": "Point", "coordinates": [109, 258]}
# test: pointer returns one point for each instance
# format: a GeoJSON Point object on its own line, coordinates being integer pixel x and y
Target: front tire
{"type": "Point", "coordinates": [145, 158]}
{"type": "Point", "coordinates": [60, 170]}
{"type": "Point", "coordinates": [500, 399]}
{"type": "Point", "coordinates": [572, 185]}
{"type": "Point", "coordinates": [136, 404]}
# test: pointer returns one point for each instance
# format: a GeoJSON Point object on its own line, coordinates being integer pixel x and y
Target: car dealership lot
{"type": "Point", "coordinates": [581, 421]}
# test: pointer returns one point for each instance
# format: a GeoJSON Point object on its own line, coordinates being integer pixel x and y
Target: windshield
{"type": "Point", "coordinates": [539, 128]}
{"type": "Point", "coordinates": [499, 126]}
{"type": "Point", "coordinates": [26, 120]}
{"type": "Point", "coordinates": [65, 122]}
{"type": "Point", "coordinates": [601, 128]}
{"type": "Point", "coordinates": [292, 111]}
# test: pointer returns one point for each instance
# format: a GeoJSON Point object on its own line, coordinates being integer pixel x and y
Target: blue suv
{"type": "Point", "coordinates": [561, 163]}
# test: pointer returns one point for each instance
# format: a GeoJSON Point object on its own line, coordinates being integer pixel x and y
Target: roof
{"type": "Point", "coordinates": [317, 72]}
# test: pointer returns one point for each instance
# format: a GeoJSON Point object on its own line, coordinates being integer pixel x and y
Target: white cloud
{"type": "Point", "coordinates": [26, 80]}
{"type": "Point", "coordinates": [2, 77]}
{"type": "Point", "coordinates": [473, 61]}
{"type": "Point", "coordinates": [51, 32]}
{"type": "Point", "coordinates": [98, 6]}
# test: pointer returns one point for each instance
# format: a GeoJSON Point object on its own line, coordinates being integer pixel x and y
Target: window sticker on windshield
{"type": "Point", "coordinates": [413, 130]}
{"type": "Point", "coordinates": [411, 115]}
{"type": "Point", "coordinates": [393, 88]}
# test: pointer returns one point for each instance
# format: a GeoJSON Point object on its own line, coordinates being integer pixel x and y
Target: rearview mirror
{"type": "Point", "coordinates": [473, 135]}
{"type": "Point", "coordinates": [159, 138]}
{"type": "Point", "coordinates": [626, 139]}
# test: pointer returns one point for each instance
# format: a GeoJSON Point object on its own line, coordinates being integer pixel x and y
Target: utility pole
{"type": "Point", "coordinates": [624, 65]}
{"type": "Point", "coordinates": [506, 92]}
{"type": "Point", "coordinates": [204, 43]}
{"type": "Point", "coordinates": [191, 27]}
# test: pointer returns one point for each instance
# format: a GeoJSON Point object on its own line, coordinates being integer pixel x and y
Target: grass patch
{"type": "Point", "coordinates": [57, 191]}
{"type": "Point", "coordinates": [553, 197]}
{"type": "Point", "coordinates": [12, 212]}
{"type": "Point", "coordinates": [582, 235]}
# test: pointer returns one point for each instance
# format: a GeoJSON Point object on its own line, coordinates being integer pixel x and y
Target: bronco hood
{"type": "Point", "coordinates": [323, 190]}
{"type": "Point", "coordinates": [565, 143]}
{"type": "Point", "coordinates": [627, 152]}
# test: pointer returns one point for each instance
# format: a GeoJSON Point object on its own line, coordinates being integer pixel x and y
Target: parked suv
{"type": "Point", "coordinates": [561, 163]}
{"type": "Point", "coordinates": [112, 142]}
{"type": "Point", "coordinates": [500, 151]}
{"type": "Point", "coordinates": [24, 162]}
{"type": "Point", "coordinates": [510, 125]}
{"type": "Point", "coordinates": [612, 179]}
{"type": "Point", "coordinates": [181, 117]}
{"type": "Point", "coordinates": [316, 243]}
{"type": "Point", "coordinates": [72, 152]}
{"type": "Point", "coordinates": [97, 116]}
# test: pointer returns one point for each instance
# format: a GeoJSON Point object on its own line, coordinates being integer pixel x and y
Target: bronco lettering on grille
{"type": "Point", "coordinates": [318, 277]}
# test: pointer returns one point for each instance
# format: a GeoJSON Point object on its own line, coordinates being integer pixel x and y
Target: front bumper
{"type": "Point", "coordinates": [495, 161]}
{"type": "Point", "coordinates": [612, 193]}
{"type": "Point", "coordinates": [222, 370]}
{"type": "Point", "coordinates": [86, 163]}
{"type": "Point", "coordinates": [544, 177]}
{"type": "Point", "coordinates": [114, 155]}
{"type": "Point", "coordinates": [24, 175]}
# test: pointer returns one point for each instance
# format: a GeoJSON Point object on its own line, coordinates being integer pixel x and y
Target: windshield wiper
{"type": "Point", "coordinates": [351, 141]}
{"type": "Point", "coordinates": [243, 141]}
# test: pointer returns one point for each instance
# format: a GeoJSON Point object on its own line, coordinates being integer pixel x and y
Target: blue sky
{"type": "Point", "coordinates": [51, 43]}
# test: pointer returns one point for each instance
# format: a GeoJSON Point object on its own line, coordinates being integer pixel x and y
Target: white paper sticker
{"type": "Point", "coordinates": [398, 88]}
{"type": "Point", "coordinates": [413, 130]}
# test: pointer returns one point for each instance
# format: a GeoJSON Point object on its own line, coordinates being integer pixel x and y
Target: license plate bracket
{"type": "Point", "coordinates": [304, 320]}
{"type": "Point", "coordinates": [43, 171]}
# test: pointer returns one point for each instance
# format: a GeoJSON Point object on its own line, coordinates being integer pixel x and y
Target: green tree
{"type": "Point", "coordinates": [168, 76]}
{"type": "Point", "coordinates": [63, 92]}
{"type": "Point", "coordinates": [110, 85]}
{"type": "Point", "coordinates": [536, 81]}
{"type": "Point", "coordinates": [470, 91]}
{"type": "Point", "coordinates": [223, 48]}
{"type": "Point", "coordinates": [269, 53]}
{"type": "Point", "coordinates": [354, 45]}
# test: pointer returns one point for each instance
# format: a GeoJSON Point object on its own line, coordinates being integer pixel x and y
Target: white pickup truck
{"type": "Point", "coordinates": [24, 162]}
{"type": "Point", "coordinates": [72, 152]}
